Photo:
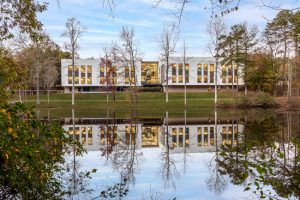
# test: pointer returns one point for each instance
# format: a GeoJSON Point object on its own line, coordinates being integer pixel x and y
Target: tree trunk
{"type": "Point", "coordinates": [167, 71]}
{"type": "Point", "coordinates": [73, 77]}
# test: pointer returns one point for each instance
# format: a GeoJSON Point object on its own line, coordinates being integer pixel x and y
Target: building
{"type": "Point", "coordinates": [199, 73]}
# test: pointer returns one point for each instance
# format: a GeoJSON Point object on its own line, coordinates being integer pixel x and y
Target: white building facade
{"type": "Point", "coordinates": [196, 72]}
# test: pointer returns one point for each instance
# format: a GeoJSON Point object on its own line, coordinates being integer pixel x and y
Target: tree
{"type": "Point", "coordinates": [74, 30]}
{"type": "Point", "coordinates": [130, 56]}
{"type": "Point", "coordinates": [259, 74]}
{"type": "Point", "coordinates": [185, 66]}
{"type": "Point", "coordinates": [20, 14]}
{"type": "Point", "coordinates": [216, 28]}
{"type": "Point", "coordinates": [235, 49]}
{"type": "Point", "coordinates": [167, 43]}
{"type": "Point", "coordinates": [249, 40]}
{"type": "Point", "coordinates": [106, 62]}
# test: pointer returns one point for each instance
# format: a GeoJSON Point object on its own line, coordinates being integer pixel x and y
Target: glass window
{"type": "Point", "coordinates": [199, 73]}
{"type": "Point", "coordinates": [149, 73]}
{"type": "Point", "coordinates": [230, 71]}
{"type": "Point", "coordinates": [187, 137]}
{"type": "Point", "coordinates": [150, 135]}
{"type": "Point", "coordinates": [205, 72]}
{"type": "Point", "coordinates": [114, 75]}
{"type": "Point", "coordinates": [130, 134]}
{"type": "Point", "coordinates": [76, 74]}
{"type": "Point", "coordinates": [132, 74]}
{"type": "Point", "coordinates": [90, 135]}
{"type": "Point", "coordinates": [82, 74]}
{"type": "Point", "coordinates": [126, 75]}
{"type": "Point", "coordinates": [187, 73]}
{"type": "Point", "coordinates": [77, 133]}
{"type": "Point", "coordinates": [180, 137]}
{"type": "Point", "coordinates": [235, 73]}
{"type": "Point", "coordinates": [211, 74]}
{"type": "Point", "coordinates": [199, 135]}
{"type": "Point", "coordinates": [174, 137]}
{"type": "Point", "coordinates": [224, 74]}
{"type": "Point", "coordinates": [174, 73]}
{"type": "Point", "coordinates": [205, 136]}
{"type": "Point", "coordinates": [102, 75]}
{"type": "Point", "coordinates": [211, 135]}
{"type": "Point", "coordinates": [89, 74]}
{"type": "Point", "coordinates": [180, 73]}
{"type": "Point", "coordinates": [83, 135]}
{"type": "Point", "coordinates": [70, 75]}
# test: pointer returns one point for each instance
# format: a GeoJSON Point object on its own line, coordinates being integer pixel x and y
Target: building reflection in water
{"type": "Point", "coordinates": [198, 135]}
{"type": "Point", "coordinates": [237, 146]}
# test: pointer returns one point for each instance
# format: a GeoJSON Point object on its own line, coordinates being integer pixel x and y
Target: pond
{"type": "Point", "coordinates": [250, 155]}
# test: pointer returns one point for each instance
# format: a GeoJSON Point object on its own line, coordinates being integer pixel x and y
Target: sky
{"type": "Point", "coordinates": [148, 22]}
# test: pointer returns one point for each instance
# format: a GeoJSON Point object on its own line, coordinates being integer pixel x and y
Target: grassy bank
{"type": "Point", "coordinates": [149, 104]}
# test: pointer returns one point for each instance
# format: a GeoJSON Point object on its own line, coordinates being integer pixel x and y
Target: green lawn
{"type": "Point", "coordinates": [149, 104]}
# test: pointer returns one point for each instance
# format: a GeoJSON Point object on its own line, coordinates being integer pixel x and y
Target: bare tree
{"type": "Point", "coordinates": [74, 30]}
{"type": "Point", "coordinates": [167, 43]}
{"type": "Point", "coordinates": [215, 29]}
{"type": "Point", "coordinates": [185, 65]}
{"type": "Point", "coordinates": [49, 76]}
{"type": "Point", "coordinates": [130, 56]}
{"type": "Point", "coordinates": [105, 61]}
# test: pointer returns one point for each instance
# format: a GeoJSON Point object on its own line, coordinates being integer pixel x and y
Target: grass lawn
{"type": "Point", "coordinates": [149, 104]}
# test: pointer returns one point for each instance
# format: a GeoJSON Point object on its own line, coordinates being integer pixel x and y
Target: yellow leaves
{"type": "Point", "coordinates": [3, 110]}
{"type": "Point", "coordinates": [12, 132]}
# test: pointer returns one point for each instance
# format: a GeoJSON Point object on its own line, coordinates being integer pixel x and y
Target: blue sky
{"type": "Point", "coordinates": [147, 22]}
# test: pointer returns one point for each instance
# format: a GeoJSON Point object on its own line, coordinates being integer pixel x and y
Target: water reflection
{"type": "Point", "coordinates": [223, 158]}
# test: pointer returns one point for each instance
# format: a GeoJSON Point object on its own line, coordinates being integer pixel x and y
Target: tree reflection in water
{"type": "Point", "coordinates": [216, 182]}
{"type": "Point", "coordinates": [168, 169]}
{"type": "Point", "coordinates": [267, 156]}
{"type": "Point", "coordinates": [124, 158]}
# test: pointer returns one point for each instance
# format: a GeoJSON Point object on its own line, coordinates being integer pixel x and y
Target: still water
{"type": "Point", "coordinates": [221, 157]}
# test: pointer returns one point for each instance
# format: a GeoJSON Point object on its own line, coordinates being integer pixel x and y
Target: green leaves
{"type": "Point", "coordinates": [31, 154]}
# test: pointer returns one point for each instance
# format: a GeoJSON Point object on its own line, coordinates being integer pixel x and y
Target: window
{"type": "Point", "coordinates": [149, 73]}
{"type": "Point", "coordinates": [114, 75]}
{"type": "Point", "coordinates": [174, 137]}
{"type": "Point", "coordinates": [224, 73]}
{"type": "Point", "coordinates": [126, 75]}
{"type": "Point", "coordinates": [89, 74]}
{"type": "Point", "coordinates": [187, 73]}
{"type": "Point", "coordinates": [205, 136]}
{"type": "Point", "coordinates": [76, 75]}
{"type": "Point", "coordinates": [102, 75]}
{"type": "Point", "coordinates": [180, 137]}
{"type": "Point", "coordinates": [205, 72]}
{"type": "Point", "coordinates": [211, 135]}
{"type": "Point", "coordinates": [199, 73]}
{"type": "Point", "coordinates": [180, 73]}
{"type": "Point", "coordinates": [235, 73]}
{"type": "Point", "coordinates": [70, 74]}
{"type": "Point", "coordinates": [150, 136]}
{"type": "Point", "coordinates": [187, 137]}
{"type": "Point", "coordinates": [82, 74]}
{"type": "Point", "coordinates": [211, 73]}
{"type": "Point", "coordinates": [230, 74]}
{"type": "Point", "coordinates": [132, 74]}
{"type": "Point", "coordinates": [224, 135]}
{"type": "Point", "coordinates": [90, 135]}
{"type": "Point", "coordinates": [83, 135]}
{"type": "Point", "coordinates": [174, 74]}
{"type": "Point", "coordinates": [130, 134]}
{"type": "Point", "coordinates": [199, 135]}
